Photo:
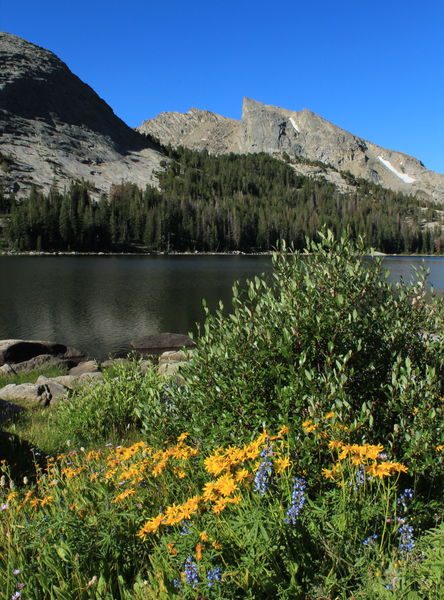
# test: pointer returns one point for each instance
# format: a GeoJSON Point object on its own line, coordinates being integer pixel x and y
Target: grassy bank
{"type": "Point", "coordinates": [300, 456]}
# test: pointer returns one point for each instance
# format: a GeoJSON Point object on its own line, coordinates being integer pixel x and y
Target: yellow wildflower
{"type": "Point", "coordinates": [150, 526]}
{"type": "Point", "coordinates": [335, 444]}
{"type": "Point", "coordinates": [440, 448]}
{"type": "Point", "coordinates": [93, 455]}
{"type": "Point", "coordinates": [203, 536]}
{"type": "Point", "coordinates": [221, 504]}
{"type": "Point", "coordinates": [35, 502]}
{"type": "Point", "coordinates": [241, 474]}
{"type": "Point", "coordinates": [216, 545]}
{"type": "Point", "coordinates": [282, 464]}
{"type": "Point", "coordinates": [329, 415]}
{"type": "Point", "coordinates": [182, 437]}
{"type": "Point", "coordinates": [199, 549]}
{"type": "Point", "coordinates": [123, 495]}
{"type": "Point", "coordinates": [385, 469]}
{"type": "Point", "coordinates": [226, 485]}
{"type": "Point", "coordinates": [171, 548]}
{"type": "Point", "coordinates": [309, 426]}
{"type": "Point", "coordinates": [10, 497]}
{"type": "Point", "coordinates": [210, 492]}
{"type": "Point", "coordinates": [216, 464]}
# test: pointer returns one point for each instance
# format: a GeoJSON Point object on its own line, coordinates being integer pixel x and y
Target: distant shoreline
{"type": "Point", "coordinates": [164, 253]}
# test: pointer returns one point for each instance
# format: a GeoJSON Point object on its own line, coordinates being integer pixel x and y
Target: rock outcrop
{"type": "Point", "coordinates": [13, 352]}
{"type": "Point", "coordinates": [55, 129]}
{"type": "Point", "coordinates": [196, 129]}
{"type": "Point", "coordinates": [300, 137]}
{"type": "Point", "coordinates": [161, 342]}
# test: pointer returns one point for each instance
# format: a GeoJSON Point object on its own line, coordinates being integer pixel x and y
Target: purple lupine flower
{"type": "Point", "coordinates": [191, 572]}
{"type": "Point", "coordinates": [213, 576]}
{"type": "Point", "coordinates": [262, 477]}
{"type": "Point", "coordinates": [406, 541]}
{"type": "Point", "coordinates": [370, 539]}
{"type": "Point", "coordinates": [359, 478]}
{"type": "Point", "coordinates": [186, 528]}
{"type": "Point", "coordinates": [297, 501]}
{"type": "Point", "coordinates": [405, 497]}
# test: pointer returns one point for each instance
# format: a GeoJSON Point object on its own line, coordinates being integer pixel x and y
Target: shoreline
{"type": "Point", "coordinates": [172, 253]}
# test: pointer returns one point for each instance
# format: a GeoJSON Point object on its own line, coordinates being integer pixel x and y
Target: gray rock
{"type": "Point", "coordinates": [68, 381]}
{"type": "Point", "coordinates": [50, 391]}
{"type": "Point", "coordinates": [196, 129]}
{"type": "Point", "coordinates": [145, 365]}
{"type": "Point", "coordinates": [40, 361]}
{"type": "Point", "coordinates": [12, 392]}
{"type": "Point", "coordinates": [6, 369]}
{"type": "Point", "coordinates": [168, 369]}
{"type": "Point", "coordinates": [56, 129]}
{"type": "Point", "coordinates": [161, 342]}
{"type": "Point", "coordinates": [18, 351]}
{"type": "Point", "coordinates": [94, 377]}
{"type": "Point", "coordinates": [89, 366]}
{"type": "Point", "coordinates": [112, 362]}
{"type": "Point", "coordinates": [172, 356]}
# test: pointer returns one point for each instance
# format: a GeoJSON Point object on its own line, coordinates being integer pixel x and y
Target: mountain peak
{"type": "Point", "coordinates": [300, 135]}
{"type": "Point", "coordinates": [55, 128]}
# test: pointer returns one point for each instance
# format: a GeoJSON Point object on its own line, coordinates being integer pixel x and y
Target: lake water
{"type": "Point", "coordinates": [99, 303]}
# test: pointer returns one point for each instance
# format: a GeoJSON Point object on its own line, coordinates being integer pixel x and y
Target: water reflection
{"type": "Point", "coordinates": [99, 303]}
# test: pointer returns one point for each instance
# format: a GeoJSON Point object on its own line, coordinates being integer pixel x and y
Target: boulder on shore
{"type": "Point", "coordinates": [23, 391]}
{"type": "Point", "coordinates": [45, 391]}
{"type": "Point", "coordinates": [18, 351]}
{"type": "Point", "coordinates": [161, 342]}
{"type": "Point", "coordinates": [89, 366]}
{"type": "Point", "coordinates": [38, 362]}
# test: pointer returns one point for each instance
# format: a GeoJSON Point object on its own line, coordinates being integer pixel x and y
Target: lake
{"type": "Point", "coordinates": [99, 303]}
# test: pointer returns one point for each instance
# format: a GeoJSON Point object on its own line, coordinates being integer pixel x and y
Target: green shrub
{"type": "Point", "coordinates": [327, 333]}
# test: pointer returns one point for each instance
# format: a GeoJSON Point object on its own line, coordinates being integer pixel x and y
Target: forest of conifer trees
{"type": "Point", "coordinates": [219, 204]}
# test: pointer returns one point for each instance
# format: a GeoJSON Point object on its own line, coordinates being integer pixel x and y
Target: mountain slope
{"type": "Point", "coordinates": [54, 128]}
{"type": "Point", "coordinates": [300, 135]}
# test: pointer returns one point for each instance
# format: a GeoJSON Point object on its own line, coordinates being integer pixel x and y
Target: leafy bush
{"type": "Point", "coordinates": [327, 333]}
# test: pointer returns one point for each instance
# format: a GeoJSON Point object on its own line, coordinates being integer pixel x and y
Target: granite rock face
{"type": "Point", "coordinates": [196, 129]}
{"type": "Point", "coordinates": [302, 136]}
{"type": "Point", "coordinates": [55, 129]}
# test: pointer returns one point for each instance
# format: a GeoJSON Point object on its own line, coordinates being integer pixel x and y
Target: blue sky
{"type": "Point", "coordinates": [374, 68]}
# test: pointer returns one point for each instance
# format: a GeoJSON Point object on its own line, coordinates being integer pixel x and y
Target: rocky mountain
{"type": "Point", "coordinates": [304, 138]}
{"type": "Point", "coordinates": [54, 128]}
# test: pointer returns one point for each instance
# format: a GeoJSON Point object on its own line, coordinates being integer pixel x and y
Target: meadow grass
{"type": "Point", "coordinates": [30, 376]}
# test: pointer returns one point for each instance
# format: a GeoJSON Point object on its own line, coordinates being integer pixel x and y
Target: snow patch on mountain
{"type": "Point", "coordinates": [294, 125]}
{"type": "Point", "coordinates": [406, 178]}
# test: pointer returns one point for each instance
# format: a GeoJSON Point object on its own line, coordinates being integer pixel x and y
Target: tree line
{"type": "Point", "coordinates": [218, 203]}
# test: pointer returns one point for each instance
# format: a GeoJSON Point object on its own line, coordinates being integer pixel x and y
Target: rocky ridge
{"type": "Point", "coordinates": [299, 137]}
{"type": "Point", "coordinates": [55, 129]}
